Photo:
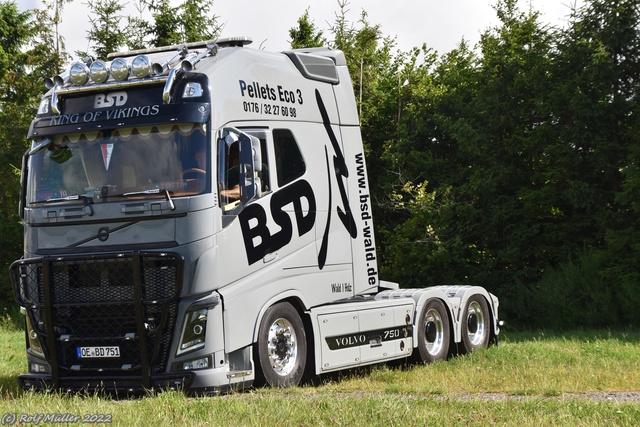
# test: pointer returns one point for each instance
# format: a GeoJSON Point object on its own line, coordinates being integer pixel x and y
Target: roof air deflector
{"type": "Point", "coordinates": [315, 67]}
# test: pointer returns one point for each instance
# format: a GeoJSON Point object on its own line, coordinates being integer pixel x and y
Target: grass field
{"type": "Point", "coordinates": [582, 378]}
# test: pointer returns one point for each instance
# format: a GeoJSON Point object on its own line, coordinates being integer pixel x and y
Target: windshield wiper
{"type": "Point", "coordinates": [166, 193]}
{"type": "Point", "coordinates": [67, 198]}
{"type": "Point", "coordinates": [86, 200]}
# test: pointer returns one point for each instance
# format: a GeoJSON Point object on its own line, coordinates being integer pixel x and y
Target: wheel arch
{"type": "Point", "coordinates": [299, 304]}
{"type": "Point", "coordinates": [464, 293]}
{"type": "Point", "coordinates": [421, 306]}
{"type": "Point", "coordinates": [293, 297]}
{"type": "Point", "coordinates": [421, 297]}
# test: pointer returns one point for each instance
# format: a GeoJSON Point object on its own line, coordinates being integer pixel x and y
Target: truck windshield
{"type": "Point", "coordinates": [105, 164]}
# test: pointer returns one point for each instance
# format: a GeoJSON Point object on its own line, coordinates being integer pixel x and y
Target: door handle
{"type": "Point", "coordinates": [270, 257]}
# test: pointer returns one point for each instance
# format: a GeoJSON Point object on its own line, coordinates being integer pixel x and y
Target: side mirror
{"type": "Point", "coordinates": [23, 185]}
{"type": "Point", "coordinates": [249, 158]}
{"type": "Point", "coordinates": [248, 145]}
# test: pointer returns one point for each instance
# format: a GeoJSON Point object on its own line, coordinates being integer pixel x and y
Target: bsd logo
{"type": "Point", "coordinates": [113, 99]}
{"type": "Point", "coordinates": [258, 240]}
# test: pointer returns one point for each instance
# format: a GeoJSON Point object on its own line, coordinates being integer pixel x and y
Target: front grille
{"type": "Point", "coordinates": [125, 300]}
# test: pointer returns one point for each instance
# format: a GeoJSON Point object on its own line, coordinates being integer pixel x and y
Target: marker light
{"type": "Point", "coordinates": [78, 73]}
{"type": "Point", "coordinates": [119, 69]}
{"type": "Point", "coordinates": [141, 66]}
{"type": "Point", "coordinates": [192, 90]}
{"type": "Point", "coordinates": [44, 106]}
{"type": "Point", "coordinates": [99, 72]}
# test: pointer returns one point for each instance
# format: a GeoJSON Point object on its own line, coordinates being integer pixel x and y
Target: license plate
{"type": "Point", "coordinates": [94, 352]}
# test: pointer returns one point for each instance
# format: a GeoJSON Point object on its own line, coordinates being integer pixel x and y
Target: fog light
{"type": "Point", "coordinates": [192, 365]}
{"type": "Point", "coordinates": [202, 363]}
{"type": "Point", "coordinates": [37, 368]}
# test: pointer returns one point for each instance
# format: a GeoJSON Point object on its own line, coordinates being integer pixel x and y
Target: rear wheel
{"type": "Point", "coordinates": [434, 332]}
{"type": "Point", "coordinates": [476, 328]}
{"type": "Point", "coordinates": [282, 346]}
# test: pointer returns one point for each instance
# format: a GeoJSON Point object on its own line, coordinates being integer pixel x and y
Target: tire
{"type": "Point", "coordinates": [476, 328]}
{"type": "Point", "coordinates": [434, 333]}
{"type": "Point", "coordinates": [281, 346]}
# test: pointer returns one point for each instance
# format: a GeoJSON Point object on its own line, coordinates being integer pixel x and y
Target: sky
{"type": "Point", "coordinates": [441, 24]}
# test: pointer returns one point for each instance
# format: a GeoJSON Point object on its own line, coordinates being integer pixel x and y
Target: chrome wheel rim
{"type": "Point", "coordinates": [475, 323]}
{"type": "Point", "coordinates": [434, 332]}
{"type": "Point", "coordinates": [282, 346]}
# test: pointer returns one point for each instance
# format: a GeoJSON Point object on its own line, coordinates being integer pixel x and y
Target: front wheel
{"type": "Point", "coordinates": [282, 346]}
{"type": "Point", "coordinates": [434, 332]}
{"type": "Point", "coordinates": [475, 324]}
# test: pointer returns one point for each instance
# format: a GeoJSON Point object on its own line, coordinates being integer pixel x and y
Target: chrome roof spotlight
{"type": "Point", "coordinates": [141, 66]}
{"type": "Point", "coordinates": [78, 73]}
{"type": "Point", "coordinates": [99, 72]}
{"type": "Point", "coordinates": [119, 69]}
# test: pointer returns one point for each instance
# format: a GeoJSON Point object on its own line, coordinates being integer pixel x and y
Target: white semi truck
{"type": "Point", "coordinates": [199, 217]}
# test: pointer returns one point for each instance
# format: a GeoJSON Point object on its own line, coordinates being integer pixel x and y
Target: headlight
{"type": "Point", "coordinates": [193, 331]}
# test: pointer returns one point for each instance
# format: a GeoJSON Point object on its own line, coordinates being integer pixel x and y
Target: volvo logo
{"type": "Point", "coordinates": [103, 234]}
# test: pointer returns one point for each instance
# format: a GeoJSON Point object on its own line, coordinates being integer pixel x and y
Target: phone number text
{"type": "Point", "coordinates": [269, 109]}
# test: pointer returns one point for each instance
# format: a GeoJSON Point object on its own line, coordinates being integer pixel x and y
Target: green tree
{"type": "Point", "coordinates": [166, 27]}
{"type": "Point", "coordinates": [139, 28]}
{"type": "Point", "coordinates": [198, 21]}
{"type": "Point", "coordinates": [306, 34]}
{"type": "Point", "coordinates": [467, 156]}
{"type": "Point", "coordinates": [599, 57]}
{"type": "Point", "coordinates": [506, 151]}
{"type": "Point", "coordinates": [191, 21]}
{"type": "Point", "coordinates": [517, 168]}
{"type": "Point", "coordinates": [106, 30]}
{"type": "Point", "coordinates": [426, 198]}
{"type": "Point", "coordinates": [53, 16]}
{"type": "Point", "coordinates": [375, 72]}
{"type": "Point", "coordinates": [27, 55]}
{"type": "Point", "coordinates": [589, 173]}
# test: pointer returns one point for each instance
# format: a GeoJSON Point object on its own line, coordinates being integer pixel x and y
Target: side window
{"type": "Point", "coordinates": [229, 172]}
{"type": "Point", "coordinates": [289, 162]}
{"type": "Point", "coordinates": [243, 170]}
{"type": "Point", "coordinates": [262, 170]}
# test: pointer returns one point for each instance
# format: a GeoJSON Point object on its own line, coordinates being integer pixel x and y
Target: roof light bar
{"type": "Point", "coordinates": [141, 66]}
